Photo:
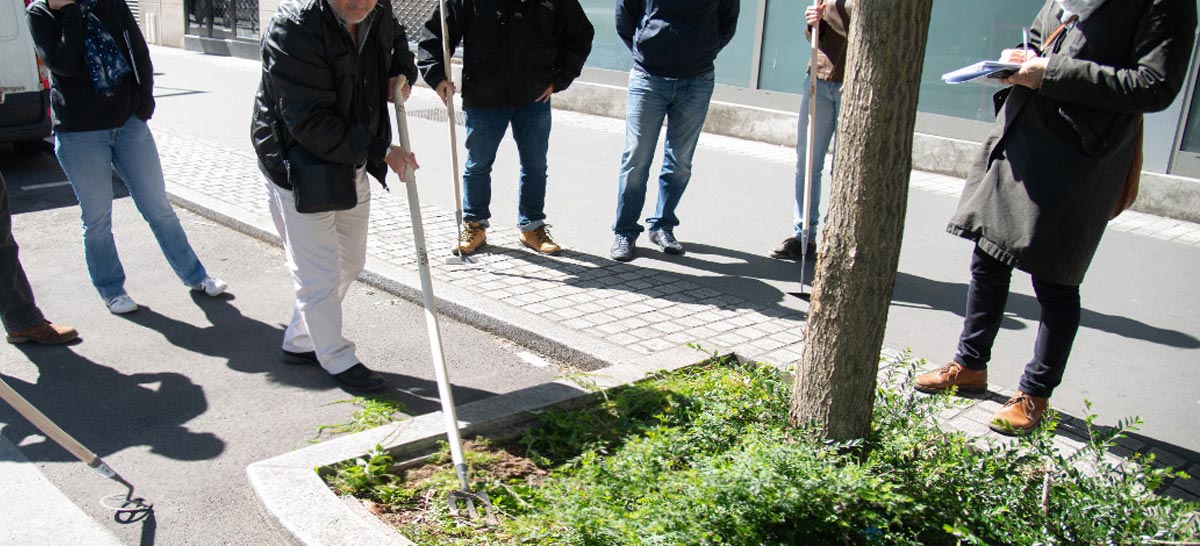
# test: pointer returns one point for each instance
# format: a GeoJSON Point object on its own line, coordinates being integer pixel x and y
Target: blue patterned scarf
{"type": "Point", "coordinates": [105, 62]}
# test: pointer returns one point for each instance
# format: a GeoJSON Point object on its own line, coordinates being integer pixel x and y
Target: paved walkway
{"type": "Point", "coordinates": [628, 308]}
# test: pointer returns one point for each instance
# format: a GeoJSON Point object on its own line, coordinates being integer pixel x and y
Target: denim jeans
{"type": "Point", "coordinates": [1057, 326]}
{"type": "Point", "coordinates": [485, 130]}
{"type": "Point", "coordinates": [683, 103]}
{"type": "Point", "coordinates": [829, 101]}
{"type": "Point", "coordinates": [17, 308]}
{"type": "Point", "coordinates": [88, 157]}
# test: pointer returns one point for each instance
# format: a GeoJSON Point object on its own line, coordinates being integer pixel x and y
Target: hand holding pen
{"type": "Point", "coordinates": [1033, 67]}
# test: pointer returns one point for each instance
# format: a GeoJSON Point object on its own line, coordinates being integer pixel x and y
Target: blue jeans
{"type": "Point", "coordinates": [88, 157]}
{"type": "Point", "coordinates": [683, 103]}
{"type": "Point", "coordinates": [485, 130]}
{"type": "Point", "coordinates": [829, 101]}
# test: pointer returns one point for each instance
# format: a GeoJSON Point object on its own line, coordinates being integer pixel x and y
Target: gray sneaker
{"type": "Point", "coordinates": [622, 248]}
{"type": "Point", "coordinates": [666, 241]}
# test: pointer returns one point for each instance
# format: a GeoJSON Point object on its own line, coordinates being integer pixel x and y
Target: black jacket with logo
{"type": "Point", "coordinates": [512, 49]}
{"type": "Point", "coordinates": [58, 38]}
{"type": "Point", "coordinates": [676, 38]}
{"type": "Point", "coordinates": [322, 92]}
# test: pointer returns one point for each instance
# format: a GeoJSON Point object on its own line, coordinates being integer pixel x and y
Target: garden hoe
{"type": "Point", "coordinates": [808, 153]}
{"type": "Point", "coordinates": [464, 497]}
{"type": "Point", "coordinates": [463, 258]}
{"type": "Point", "coordinates": [124, 505]}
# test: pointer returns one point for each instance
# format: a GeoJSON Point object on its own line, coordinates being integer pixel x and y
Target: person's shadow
{"type": "Point", "coordinates": [108, 411]}
{"type": "Point", "coordinates": [919, 292]}
{"type": "Point", "coordinates": [251, 346]}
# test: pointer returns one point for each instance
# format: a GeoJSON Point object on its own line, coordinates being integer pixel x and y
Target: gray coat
{"type": "Point", "coordinates": [1049, 175]}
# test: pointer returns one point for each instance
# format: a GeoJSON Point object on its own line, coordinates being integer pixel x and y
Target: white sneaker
{"type": "Point", "coordinates": [212, 286]}
{"type": "Point", "coordinates": [119, 305]}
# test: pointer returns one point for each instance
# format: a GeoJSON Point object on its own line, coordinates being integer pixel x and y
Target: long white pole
{"type": "Point", "coordinates": [431, 322]}
{"type": "Point", "coordinates": [808, 150]}
{"type": "Point", "coordinates": [450, 116]}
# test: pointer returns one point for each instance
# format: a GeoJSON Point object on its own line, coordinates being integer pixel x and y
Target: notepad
{"type": "Point", "coordinates": [981, 69]}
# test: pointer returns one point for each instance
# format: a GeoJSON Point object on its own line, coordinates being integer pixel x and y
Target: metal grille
{"type": "Point", "coordinates": [136, 8]}
{"type": "Point", "coordinates": [437, 114]}
{"type": "Point", "coordinates": [245, 19]}
{"type": "Point", "coordinates": [413, 14]}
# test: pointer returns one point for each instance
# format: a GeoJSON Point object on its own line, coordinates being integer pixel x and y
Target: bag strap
{"type": "Point", "coordinates": [1061, 27]}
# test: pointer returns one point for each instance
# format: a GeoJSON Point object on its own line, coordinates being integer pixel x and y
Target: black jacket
{"type": "Point", "coordinates": [320, 92]}
{"type": "Point", "coordinates": [58, 37]}
{"type": "Point", "coordinates": [512, 49]}
{"type": "Point", "coordinates": [676, 38]}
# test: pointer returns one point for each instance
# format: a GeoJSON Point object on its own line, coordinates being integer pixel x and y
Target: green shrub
{"type": "Point", "coordinates": [705, 456]}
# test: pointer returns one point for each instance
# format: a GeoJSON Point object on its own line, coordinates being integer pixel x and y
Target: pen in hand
{"type": "Point", "coordinates": [1025, 43]}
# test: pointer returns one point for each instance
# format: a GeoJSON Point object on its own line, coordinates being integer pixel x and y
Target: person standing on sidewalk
{"type": "Point", "coordinates": [834, 18]}
{"type": "Point", "coordinates": [674, 44]}
{"type": "Point", "coordinates": [516, 54]}
{"type": "Point", "coordinates": [23, 321]}
{"type": "Point", "coordinates": [328, 70]}
{"type": "Point", "coordinates": [102, 94]}
{"type": "Point", "coordinates": [1053, 172]}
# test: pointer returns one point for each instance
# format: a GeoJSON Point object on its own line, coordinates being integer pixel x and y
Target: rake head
{"type": "Point", "coordinates": [464, 500]}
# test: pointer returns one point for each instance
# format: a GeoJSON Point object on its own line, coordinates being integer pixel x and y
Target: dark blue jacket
{"type": "Point", "coordinates": [676, 38]}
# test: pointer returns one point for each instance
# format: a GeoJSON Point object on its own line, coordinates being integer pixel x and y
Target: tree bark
{"type": "Point", "coordinates": [856, 271]}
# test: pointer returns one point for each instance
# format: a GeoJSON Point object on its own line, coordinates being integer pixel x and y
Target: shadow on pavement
{"type": "Point", "coordinates": [915, 291]}
{"type": "Point", "coordinates": [251, 346]}
{"type": "Point", "coordinates": [109, 411]}
{"type": "Point", "coordinates": [748, 293]}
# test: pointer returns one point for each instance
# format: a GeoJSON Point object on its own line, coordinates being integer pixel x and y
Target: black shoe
{"type": "Point", "coordinates": [791, 249]}
{"type": "Point", "coordinates": [622, 248]}
{"type": "Point", "coordinates": [305, 358]}
{"type": "Point", "coordinates": [360, 378]}
{"type": "Point", "coordinates": [665, 240]}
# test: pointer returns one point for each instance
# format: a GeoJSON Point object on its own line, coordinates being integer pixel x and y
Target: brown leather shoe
{"type": "Point", "coordinates": [952, 375]}
{"type": "Point", "coordinates": [1020, 414]}
{"type": "Point", "coordinates": [539, 240]}
{"type": "Point", "coordinates": [45, 333]}
{"type": "Point", "coordinates": [473, 236]}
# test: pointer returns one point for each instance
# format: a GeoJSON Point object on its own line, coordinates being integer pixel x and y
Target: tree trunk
{"type": "Point", "coordinates": [835, 380]}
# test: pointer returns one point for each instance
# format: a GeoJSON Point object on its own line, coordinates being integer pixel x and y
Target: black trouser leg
{"type": "Point", "coordinates": [986, 298]}
{"type": "Point", "coordinates": [1055, 336]}
{"type": "Point", "coordinates": [17, 308]}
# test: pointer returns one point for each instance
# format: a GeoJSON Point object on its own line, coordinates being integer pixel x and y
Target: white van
{"type": "Point", "coordinates": [24, 83]}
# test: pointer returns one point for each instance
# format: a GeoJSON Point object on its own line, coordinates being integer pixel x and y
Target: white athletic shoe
{"type": "Point", "coordinates": [212, 286]}
{"type": "Point", "coordinates": [119, 305]}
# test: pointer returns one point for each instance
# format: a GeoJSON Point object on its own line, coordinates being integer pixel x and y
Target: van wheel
{"type": "Point", "coordinates": [31, 147]}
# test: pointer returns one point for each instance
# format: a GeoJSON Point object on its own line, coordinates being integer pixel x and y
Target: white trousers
{"type": "Point", "coordinates": [325, 253]}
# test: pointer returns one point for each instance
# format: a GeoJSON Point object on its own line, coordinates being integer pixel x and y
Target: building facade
{"type": "Point", "coordinates": [762, 69]}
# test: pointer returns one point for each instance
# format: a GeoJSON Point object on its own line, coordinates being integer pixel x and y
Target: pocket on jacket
{"type": "Point", "coordinates": [1092, 128]}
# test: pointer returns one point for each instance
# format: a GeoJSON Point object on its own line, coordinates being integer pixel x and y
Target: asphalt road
{"type": "Point", "coordinates": [180, 396]}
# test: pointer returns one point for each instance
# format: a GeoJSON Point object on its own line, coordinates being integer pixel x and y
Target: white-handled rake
{"type": "Point", "coordinates": [463, 497]}
{"type": "Point", "coordinates": [126, 506]}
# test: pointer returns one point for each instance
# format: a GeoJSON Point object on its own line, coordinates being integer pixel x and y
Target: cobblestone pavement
{"type": "Point", "coordinates": [624, 305]}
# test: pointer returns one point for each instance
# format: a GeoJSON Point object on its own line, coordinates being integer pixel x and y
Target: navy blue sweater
{"type": "Point", "coordinates": [676, 38]}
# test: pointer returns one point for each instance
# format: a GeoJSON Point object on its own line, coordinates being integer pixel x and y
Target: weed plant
{"type": "Point", "coordinates": [705, 456]}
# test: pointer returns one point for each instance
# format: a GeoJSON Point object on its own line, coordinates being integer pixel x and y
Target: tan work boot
{"type": "Point", "coordinates": [1020, 414]}
{"type": "Point", "coordinates": [46, 333]}
{"type": "Point", "coordinates": [473, 236]}
{"type": "Point", "coordinates": [539, 240]}
{"type": "Point", "coordinates": [952, 375]}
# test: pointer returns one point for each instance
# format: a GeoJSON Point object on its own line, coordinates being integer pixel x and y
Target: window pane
{"type": "Point", "coordinates": [962, 32]}
{"type": "Point", "coordinates": [785, 51]}
{"type": "Point", "coordinates": [1191, 132]}
{"type": "Point", "coordinates": [608, 51]}
{"type": "Point", "coordinates": [734, 62]}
